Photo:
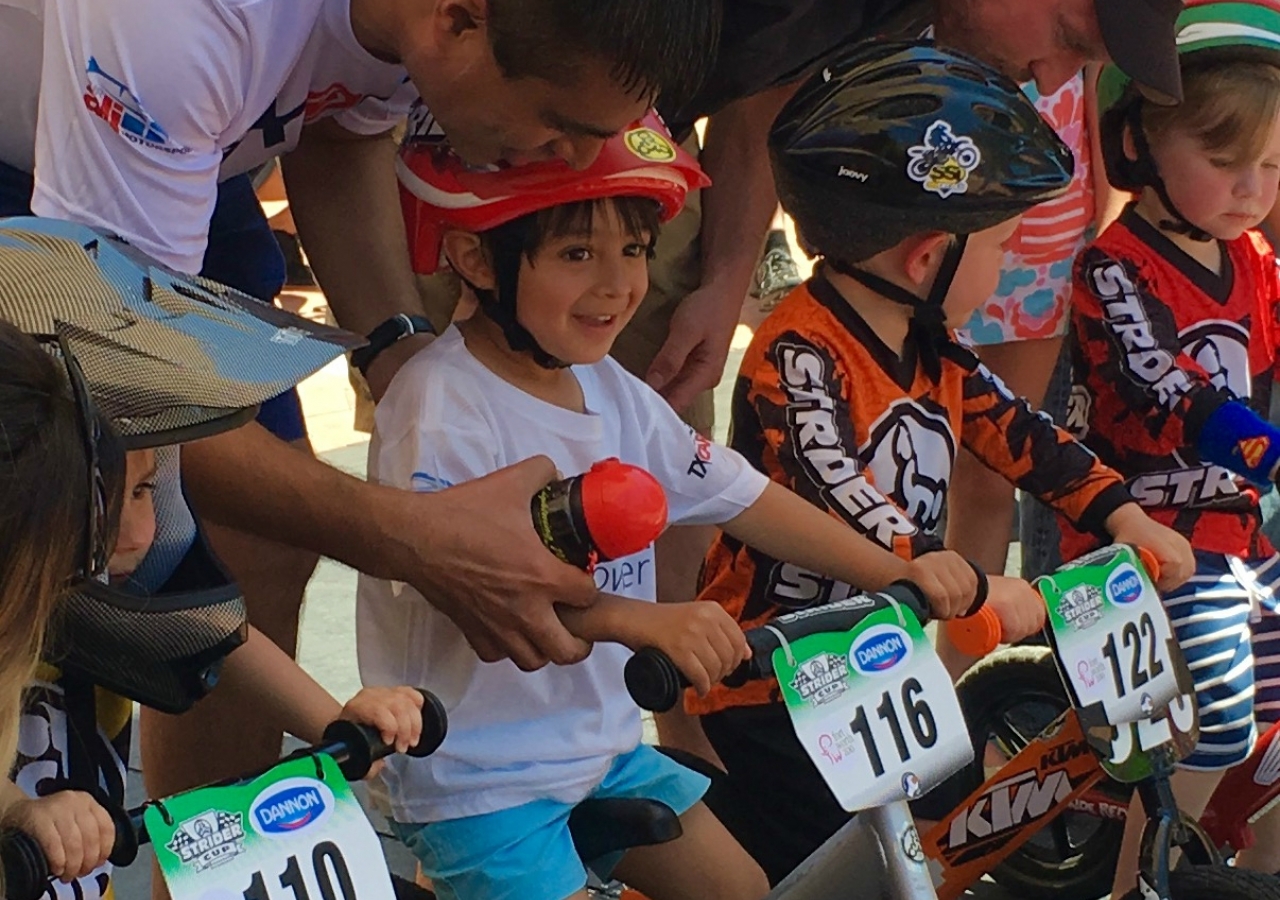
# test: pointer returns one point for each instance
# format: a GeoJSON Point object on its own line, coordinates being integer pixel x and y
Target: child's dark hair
{"type": "Point", "coordinates": [45, 506]}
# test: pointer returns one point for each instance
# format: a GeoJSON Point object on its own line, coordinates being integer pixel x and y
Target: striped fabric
{"type": "Point", "coordinates": [1226, 620]}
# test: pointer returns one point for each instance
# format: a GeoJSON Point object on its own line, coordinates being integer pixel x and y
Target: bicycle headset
{"type": "Point", "coordinates": [1208, 33]}
{"type": "Point", "coordinates": [167, 358]}
{"type": "Point", "coordinates": [439, 192]}
{"type": "Point", "coordinates": [898, 138]}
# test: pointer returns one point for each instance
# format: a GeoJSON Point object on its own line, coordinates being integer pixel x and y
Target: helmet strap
{"type": "Point", "coordinates": [1148, 173]}
{"type": "Point", "coordinates": [499, 304]}
{"type": "Point", "coordinates": [928, 328]}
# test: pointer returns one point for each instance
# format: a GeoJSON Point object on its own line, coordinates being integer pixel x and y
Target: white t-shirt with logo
{"type": "Point", "coordinates": [145, 104]}
{"type": "Point", "coordinates": [514, 736]}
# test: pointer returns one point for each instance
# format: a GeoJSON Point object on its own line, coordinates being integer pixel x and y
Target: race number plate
{"type": "Point", "coordinates": [286, 835]}
{"type": "Point", "coordinates": [874, 709]}
{"type": "Point", "coordinates": [1112, 636]}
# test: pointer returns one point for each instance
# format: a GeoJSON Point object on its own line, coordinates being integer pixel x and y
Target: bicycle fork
{"type": "Point", "coordinates": [1167, 828]}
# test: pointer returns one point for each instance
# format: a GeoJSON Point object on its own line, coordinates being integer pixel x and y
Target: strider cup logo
{"type": "Point", "coordinates": [209, 839]}
{"type": "Point", "coordinates": [821, 678]}
{"type": "Point", "coordinates": [910, 455]}
{"type": "Point", "coordinates": [1081, 606]}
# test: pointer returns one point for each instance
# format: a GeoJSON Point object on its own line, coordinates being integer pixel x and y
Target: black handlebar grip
{"type": "Point", "coordinates": [364, 743]}
{"type": "Point", "coordinates": [125, 849]}
{"type": "Point", "coordinates": [653, 680]}
{"type": "Point", "coordinates": [26, 871]}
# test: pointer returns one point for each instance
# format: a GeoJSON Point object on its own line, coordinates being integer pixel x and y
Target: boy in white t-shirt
{"type": "Point", "coordinates": [487, 815]}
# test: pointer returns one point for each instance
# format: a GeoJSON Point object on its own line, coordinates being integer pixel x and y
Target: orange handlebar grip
{"type": "Point", "coordinates": [977, 635]}
{"type": "Point", "coordinates": [1150, 563]}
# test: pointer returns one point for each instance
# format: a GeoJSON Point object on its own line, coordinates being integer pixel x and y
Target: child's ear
{"type": "Point", "coordinates": [924, 255]}
{"type": "Point", "coordinates": [1127, 146]}
{"type": "Point", "coordinates": [467, 257]}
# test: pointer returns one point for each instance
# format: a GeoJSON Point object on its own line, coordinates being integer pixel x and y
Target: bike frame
{"type": "Point", "coordinates": [1246, 794]}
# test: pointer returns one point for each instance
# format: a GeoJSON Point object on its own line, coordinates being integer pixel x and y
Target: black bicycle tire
{"type": "Point", "coordinates": [1218, 883]}
{"type": "Point", "coordinates": [984, 691]}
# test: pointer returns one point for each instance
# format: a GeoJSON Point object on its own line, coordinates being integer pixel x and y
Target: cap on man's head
{"type": "Point", "coordinates": [1140, 38]}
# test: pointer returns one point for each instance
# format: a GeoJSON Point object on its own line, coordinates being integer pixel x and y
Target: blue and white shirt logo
{"type": "Point", "coordinates": [291, 805]}
{"type": "Point", "coordinates": [115, 103]}
{"type": "Point", "coordinates": [880, 650]}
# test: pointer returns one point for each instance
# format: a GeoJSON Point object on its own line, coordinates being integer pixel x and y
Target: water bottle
{"type": "Point", "coordinates": [608, 512]}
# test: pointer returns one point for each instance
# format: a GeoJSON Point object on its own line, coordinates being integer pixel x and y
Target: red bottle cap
{"type": "Point", "coordinates": [625, 508]}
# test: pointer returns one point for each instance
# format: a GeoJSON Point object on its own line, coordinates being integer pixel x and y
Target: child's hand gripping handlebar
{"type": "Point", "coordinates": [353, 746]}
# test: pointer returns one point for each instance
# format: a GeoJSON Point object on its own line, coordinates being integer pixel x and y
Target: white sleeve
{"type": "Point", "coordinates": [425, 441]}
{"type": "Point", "coordinates": [706, 483]}
{"type": "Point", "coordinates": [374, 115]}
{"type": "Point", "coordinates": [134, 96]}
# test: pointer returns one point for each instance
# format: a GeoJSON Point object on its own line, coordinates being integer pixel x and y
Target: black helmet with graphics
{"type": "Point", "coordinates": [893, 139]}
{"type": "Point", "coordinates": [898, 138]}
{"type": "Point", "coordinates": [166, 358]}
{"type": "Point", "coordinates": [1208, 32]}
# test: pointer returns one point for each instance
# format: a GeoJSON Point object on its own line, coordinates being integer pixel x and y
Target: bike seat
{"type": "Point", "coordinates": [601, 826]}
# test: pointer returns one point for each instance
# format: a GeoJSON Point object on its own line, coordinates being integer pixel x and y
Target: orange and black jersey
{"type": "Point", "coordinates": [825, 408]}
{"type": "Point", "coordinates": [1159, 342]}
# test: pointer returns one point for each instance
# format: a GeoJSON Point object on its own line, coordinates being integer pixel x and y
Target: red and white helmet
{"type": "Point", "coordinates": [439, 192]}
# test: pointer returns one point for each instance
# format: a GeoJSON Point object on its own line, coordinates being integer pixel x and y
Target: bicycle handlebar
{"type": "Point", "coordinates": [353, 746]}
{"type": "Point", "coordinates": [655, 683]}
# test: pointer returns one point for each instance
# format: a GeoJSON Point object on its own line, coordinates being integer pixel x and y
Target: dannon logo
{"type": "Point", "coordinates": [291, 805]}
{"type": "Point", "coordinates": [880, 650]}
{"type": "Point", "coordinates": [1124, 586]}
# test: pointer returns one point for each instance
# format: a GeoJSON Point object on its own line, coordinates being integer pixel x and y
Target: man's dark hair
{"type": "Point", "coordinates": [652, 47]}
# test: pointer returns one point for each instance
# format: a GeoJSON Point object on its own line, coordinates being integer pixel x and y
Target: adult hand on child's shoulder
{"type": "Point", "coordinates": [472, 550]}
{"type": "Point", "coordinates": [1130, 525]}
{"type": "Point", "coordinates": [1018, 605]}
{"type": "Point", "coordinates": [74, 831]}
{"type": "Point", "coordinates": [947, 580]}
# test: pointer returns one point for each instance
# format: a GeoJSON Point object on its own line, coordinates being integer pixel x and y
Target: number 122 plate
{"type": "Point", "coordinates": [286, 835]}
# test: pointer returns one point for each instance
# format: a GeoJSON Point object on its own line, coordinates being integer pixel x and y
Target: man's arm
{"type": "Point", "coordinates": [471, 548]}
{"type": "Point", "coordinates": [736, 211]}
{"type": "Point", "coordinates": [342, 192]}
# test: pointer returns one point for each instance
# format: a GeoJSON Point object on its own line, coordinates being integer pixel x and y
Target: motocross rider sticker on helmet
{"type": "Point", "coordinates": [943, 162]}
{"type": "Point", "coordinates": [649, 145]}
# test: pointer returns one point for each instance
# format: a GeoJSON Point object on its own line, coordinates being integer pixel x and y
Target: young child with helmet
{"type": "Point", "coordinates": [73, 302]}
{"type": "Point", "coordinates": [905, 167]}
{"type": "Point", "coordinates": [558, 260]}
{"type": "Point", "coordinates": [1173, 354]}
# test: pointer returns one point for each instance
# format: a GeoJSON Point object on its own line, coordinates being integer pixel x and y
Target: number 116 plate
{"type": "Point", "coordinates": [874, 709]}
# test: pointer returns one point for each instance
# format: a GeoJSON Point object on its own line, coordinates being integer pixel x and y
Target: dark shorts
{"type": "Point", "coordinates": [242, 253]}
{"type": "Point", "coordinates": [774, 801]}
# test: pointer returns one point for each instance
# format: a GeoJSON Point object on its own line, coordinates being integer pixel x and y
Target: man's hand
{"type": "Point", "coordinates": [1130, 525]}
{"type": "Point", "coordinates": [472, 551]}
{"type": "Point", "coordinates": [693, 357]}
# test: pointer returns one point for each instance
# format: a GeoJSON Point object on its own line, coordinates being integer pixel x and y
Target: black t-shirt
{"type": "Point", "coordinates": [766, 43]}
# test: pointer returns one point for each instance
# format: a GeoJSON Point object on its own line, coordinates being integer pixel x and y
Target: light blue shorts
{"type": "Point", "coordinates": [526, 853]}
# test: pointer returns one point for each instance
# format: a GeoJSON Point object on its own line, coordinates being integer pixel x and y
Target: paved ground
{"type": "Point", "coordinates": [327, 649]}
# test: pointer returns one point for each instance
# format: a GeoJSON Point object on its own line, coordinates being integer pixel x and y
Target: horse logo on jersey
{"type": "Point", "coordinates": [1221, 348]}
{"type": "Point", "coordinates": [909, 455]}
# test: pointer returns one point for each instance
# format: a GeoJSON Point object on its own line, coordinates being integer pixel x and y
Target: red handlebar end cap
{"type": "Point", "coordinates": [976, 635]}
{"type": "Point", "coordinates": [625, 508]}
